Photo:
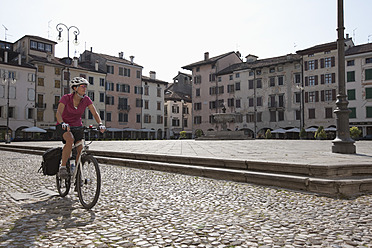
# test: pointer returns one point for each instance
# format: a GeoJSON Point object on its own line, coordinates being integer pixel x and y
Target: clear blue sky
{"type": "Point", "coordinates": [165, 35]}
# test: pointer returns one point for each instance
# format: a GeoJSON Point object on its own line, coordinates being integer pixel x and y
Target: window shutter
{"type": "Point", "coordinates": [334, 94]}
{"type": "Point", "coordinates": [306, 97]}
{"type": "Point", "coordinates": [306, 66]}
{"type": "Point", "coordinates": [322, 95]}
{"type": "Point", "coordinates": [333, 61]}
{"type": "Point", "coordinates": [322, 79]}
{"type": "Point", "coordinates": [333, 78]}
{"type": "Point", "coordinates": [117, 87]}
{"type": "Point", "coordinates": [321, 63]}
{"type": "Point", "coordinates": [316, 80]}
{"type": "Point", "coordinates": [316, 96]}
{"type": "Point", "coordinates": [306, 81]}
{"type": "Point", "coordinates": [316, 64]}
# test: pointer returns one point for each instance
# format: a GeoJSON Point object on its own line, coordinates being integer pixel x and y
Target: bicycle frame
{"type": "Point", "coordinates": [78, 161]}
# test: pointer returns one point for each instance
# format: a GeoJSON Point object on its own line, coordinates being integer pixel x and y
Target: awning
{"type": "Point", "coordinates": [114, 129]}
{"type": "Point", "coordinates": [333, 129]}
{"type": "Point", "coordinates": [146, 130]}
{"type": "Point", "coordinates": [293, 130]}
{"type": "Point", "coordinates": [280, 130]}
{"type": "Point", "coordinates": [129, 129]}
{"type": "Point", "coordinates": [311, 129]}
{"type": "Point", "coordinates": [34, 130]}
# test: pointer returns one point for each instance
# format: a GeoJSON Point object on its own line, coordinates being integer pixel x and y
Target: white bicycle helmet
{"type": "Point", "coordinates": [76, 81]}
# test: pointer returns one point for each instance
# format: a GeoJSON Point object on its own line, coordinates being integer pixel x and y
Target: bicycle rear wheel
{"type": "Point", "coordinates": [88, 181]}
{"type": "Point", "coordinates": [63, 185]}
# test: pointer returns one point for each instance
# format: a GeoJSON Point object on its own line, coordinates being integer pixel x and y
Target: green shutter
{"type": "Point", "coordinates": [369, 112]}
{"type": "Point", "coordinates": [368, 74]}
{"type": "Point", "coordinates": [368, 93]}
{"type": "Point", "coordinates": [352, 113]}
{"type": "Point", "coordinates": [351, 76]}
{"type": "Point", "coordinates": [351, 94]}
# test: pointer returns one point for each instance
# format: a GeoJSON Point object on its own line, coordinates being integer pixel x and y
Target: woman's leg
{"type": "Point", "coordinates": [69, 138]}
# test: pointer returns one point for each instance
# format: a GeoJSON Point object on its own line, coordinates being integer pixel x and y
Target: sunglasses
{"type": "Point", "coordinates": [83, 86]}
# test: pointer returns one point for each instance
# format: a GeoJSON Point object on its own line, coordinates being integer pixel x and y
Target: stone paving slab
{"type": "Point", "coordinates": [313, 152]}
{"type": "Point", "coordinates": [140, 208]}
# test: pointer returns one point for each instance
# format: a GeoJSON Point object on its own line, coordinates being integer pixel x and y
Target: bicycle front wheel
{"type": "Point", "coordinates": [88, 181]}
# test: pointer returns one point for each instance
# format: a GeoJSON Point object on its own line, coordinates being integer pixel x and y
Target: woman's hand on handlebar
{"type": "Point", "coordinates": [65, 126]}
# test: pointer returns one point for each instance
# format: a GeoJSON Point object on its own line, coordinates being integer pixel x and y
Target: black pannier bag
{"type": "Point", "coordinates": [51, 160]}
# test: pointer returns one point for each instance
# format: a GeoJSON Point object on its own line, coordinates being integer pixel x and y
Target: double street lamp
{"type": "Point", "coordinates": [7, 79]}
{"type": "Point", "coordinates": [60, 27]}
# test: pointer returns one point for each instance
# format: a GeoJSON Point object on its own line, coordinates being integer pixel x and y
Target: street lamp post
{"type": "Point", "coordinates": [342, 143]}
{"type": "Point", "coordinates": [8, 80]}
{"type": "Point", "coordinates": [76, 32]}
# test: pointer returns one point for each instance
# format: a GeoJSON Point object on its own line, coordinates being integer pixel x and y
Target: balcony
{"type": "Point", "coordinates": [40, 105]}
{"type": "Point", "coordinates": [123, 107]}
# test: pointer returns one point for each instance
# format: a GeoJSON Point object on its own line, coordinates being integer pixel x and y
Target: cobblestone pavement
{"type": "Point", "coordinates": [139, 208]}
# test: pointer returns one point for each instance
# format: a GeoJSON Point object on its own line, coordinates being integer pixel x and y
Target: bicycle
{"type": "Point", "coordinates": [86, 176]}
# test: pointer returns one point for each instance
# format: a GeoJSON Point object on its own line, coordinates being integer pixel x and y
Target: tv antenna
{"type": "Point", "coordinates": [5, 31]}
{"type": "Point", "coordinates": [49, 29]}
{"type": "Point", "coordinates": [368, 37]}
{"type": "Point", "coordinates": [354, 34]}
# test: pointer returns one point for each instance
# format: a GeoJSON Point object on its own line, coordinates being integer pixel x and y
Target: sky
{"type": "Point", "coordinates": [165, 35]}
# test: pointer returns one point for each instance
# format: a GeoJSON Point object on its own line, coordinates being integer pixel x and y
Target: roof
{"type": "Point", "coordinates": [115, 59]}
{"type": "Point", "coordinates": [37, 37]}
{"type": "Point", "coordinates": [177, 96]}
{"type": "Point", "coordinates": [289, 58]}
{"type": "Point", "coordinates": [13, 59]}
{"type": "Point", "coordinates": [182, 73]}
{"type": "Point", "coordinates": [318, 48]}
{"type": "Point", "coordinates": [144, 78]}
{"type": "Point", "coordinates": [206, 62]}
{"type": "Point", "coordinates": [365, 48]}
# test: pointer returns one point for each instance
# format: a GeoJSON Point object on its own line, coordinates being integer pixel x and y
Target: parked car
{"type": "Point", "coordinates": [367, 137]}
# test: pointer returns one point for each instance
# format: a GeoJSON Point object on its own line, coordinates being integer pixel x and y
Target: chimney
{"type": "Point", "coordinates": [49, 57]}
{"type": "Point", "coordinates": [152, 75]}
{"type": "Point", "coordinates": [251, 58]}
{"type": "Point", "coordinates": [347, 36]}
{"type": "Point", "coordinates": [121, 55]}
{"type": "Point", "coordinates": [131, 58]}
{"type": "Point", "coordinates": [206, 55]}
{"type": "Point", "coordinates": [91, 49]}
{"type": "Point", "coordinates": [96, 65]}
{"type": "Point", "coordinates": [19, 59]}
{"type": "Point", "coordinates": [6, 56]}
{"type": "Point", "coordinates": [75, 62]}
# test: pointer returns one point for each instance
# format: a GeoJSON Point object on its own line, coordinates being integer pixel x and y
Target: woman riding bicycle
{"type": "Point", "coordinates": [70, 109]}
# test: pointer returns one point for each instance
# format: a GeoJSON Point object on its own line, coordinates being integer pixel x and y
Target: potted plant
{"type": "Point", "coordinates": [302, 133]}
{"type": "Point", "coordinates": [320, 133]}
{"type": "Point", "coordinates": [355, 133]}
{"type": "Point", "coordinates": [268, 134]}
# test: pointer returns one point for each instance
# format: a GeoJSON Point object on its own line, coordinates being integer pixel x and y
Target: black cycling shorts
{"type": "Point", "coordinates": [77, 132]}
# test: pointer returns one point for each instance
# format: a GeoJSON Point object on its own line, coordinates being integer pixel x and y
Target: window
{"type": "Point", "coordinates": [258, 72]}
{"type": "Point", "coordinates": [250, 117]}
{"type": "Point", "coordinates": [158, 92]}
{"type": "Point", "coordinates": [158, 105]}
{"type": "Point", "coordinates": [281, 101]}
{"type": "Point", "coordinates": [110, 100]}
{"type": "Point", "coordinates": [139, 103]}
{"type": "Point", "coordinates": [311, 113]}
{"type": "Point", "coordinates": [297, 97]}
{"type": "Point", "coordinates": [109, 86]}
{"type": "Point", "coordinates": [57, 71]}
{"type": "Point", "coordinates": [250, 102]}
{"type": "Point", "coordinates": [259, 116]}
{"type": "Point", "coordinates": [280, 80]}
{"type": "Point", "coordinates": [30, 113]}
{"type": "Point", "coordinates": [146, 104]}
{"type": "Point", "coordinates": [138, 74]}
{"type": "Point", "coordinates": [368, 93]}
{"type": "Point", "coordinates": [31, 77]}
{"type": "Point", "coordinates": [230, 88]}
{"type": "Point", "coordinates": [102, 114]}
{"type": "Point", "coordinates": [351, 94]}
{"type": "Point", "coordinates": [272, 116]}
{"type": "Point", "coordinates": [352, 114]}
{"type": "Point", "coordinates": [251, 73]}
{"type": "Point", "coordinates": [33, 44]}
{"type": "Point", "coordinates": [368, 74]}
{"type": "Point", "coordinates": [230, 77]}
{"type": "Point", "coordinates": [146, 91]}
{"type": "Point", "coordinates": [280, 115]}
{"type": "Point", "coordinates": [197, 69]}
{"type": "Point", "coordinates": [311, 65]}
{"type": "Point", "coordinates": [368, 60]}
{"type": "Point", "coordinates": [138, 90]}
{"type": "Point", "coordinates": [123, 117]}
{"type": "Point", "coordinates": [138, 118]}
{"type": "Point", "coordinates": [110, 69]}
{"type": "Point", "coordinates": [102, 82]}
{"type": "Point", "coordinates": [40, 68]}
{"type": "Point", "coordinates": [212, 77]}
{"type": "Point", "coordinates": [57, 83]}
{"type": "Point", "coordinates": [212, 105]}
{"type": "Point", "coordinates": [197, 79]}
{"type": "Point", "coordinates": [197, 120]}
{"type": "Point", "coordinates": [40, 115]}
{"type": "Point", "coordinates": [327, 62]}
{"type": "Point", "coordinates": [350, 76]}
{"type": "Point", "coordinates": [272, 82]}
{"type": "Point", "coordinates": [237, 75]}
{"type": "Point", "coordinates": [297, 78]}
{"type": "Point", "coordinates": [101, 97]}
{"type": "Point", "coordinates": [237, 103]}
{"type": "Point", "coordinates": [311, 96]}
{"type": "Point", "coordinates": [259, 84]}
{"type": "Point", "coordinates": [328, 113]}
{"type": "Point", "coordinates": [237, 86]}
{"type": "Point", "coordinates": [123, 88]}
{"type": "Point", "coordinates": [40, 81]}
{"type": "Point", "coordinates": [197, 92]}
{"type": "Point", "coordinates": [328, 78]}
{"type": "Point", "coordinates": [298, 115]}
{"type": "Point", "coordinates": [369, 112]}
{"type": "Point", "coordinates": [311, 80]}
{"type": "Point", "coordinates": [91, 80]}
{"type": "Point", "coordinates": [350, 63]}
{"type": "Point", "coordinates": [197, 106]}
{"type": "Point", "coordinates": [272, 70]}
{"type": "Point", "coordinates": [123, 103]}
{"type": "Point", "coordinates": [259, 101]}
{"type": "Point", "coordinates": [159, 119]}
{"type": "Point", "coordinates": [108, 116]}
{"type": "Point", "coordinates": [250, 84]}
